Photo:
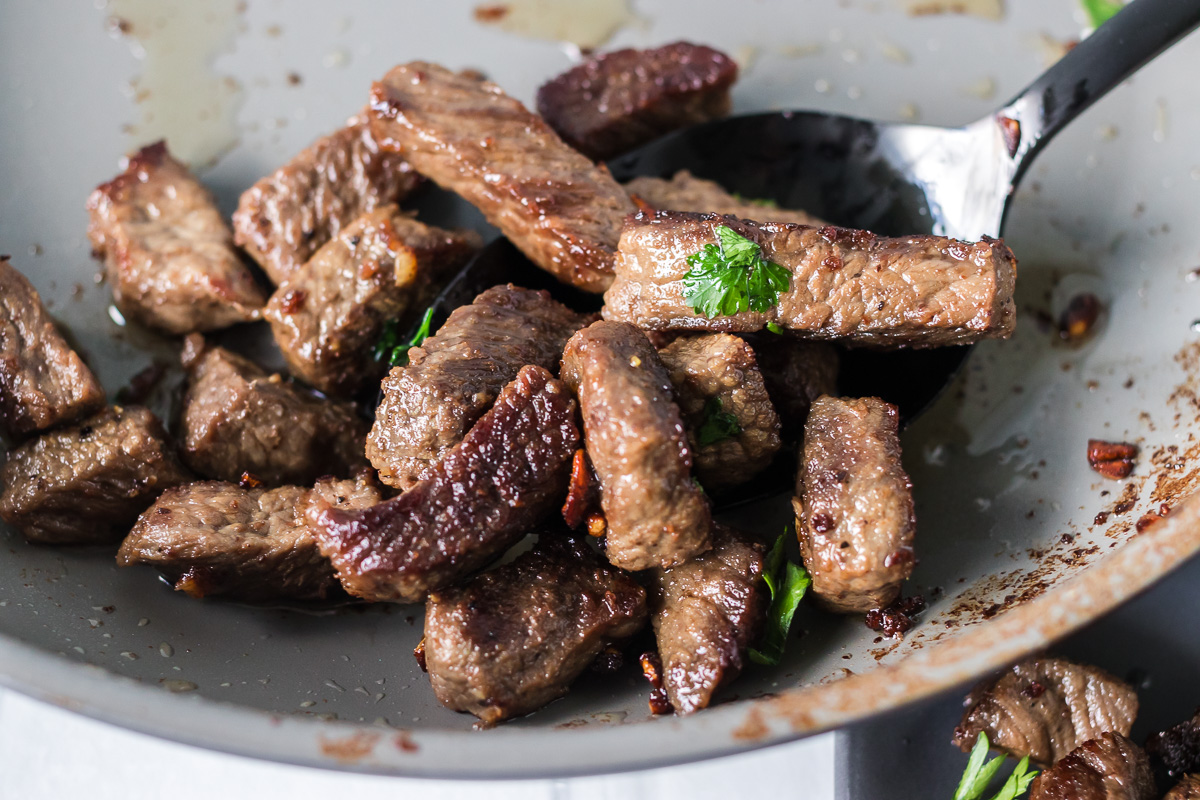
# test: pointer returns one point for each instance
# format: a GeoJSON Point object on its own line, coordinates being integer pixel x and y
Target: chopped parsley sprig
{"type": "Point", "coordinates": [980, 771]}
{"type": "Point", "coordinates": [732, 276]}
{"type": "Point", "coordinates": [391, 350]}
{"type": "Point", "coordinates": [1101, 11]}
{"type": "Point", "coordinates": [787, 583]}
{"type": "Point", "coordinates": [718, 425]}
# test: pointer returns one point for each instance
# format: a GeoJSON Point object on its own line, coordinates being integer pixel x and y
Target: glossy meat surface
{"type": "Point", "coordinates": [685, 192]}
{"type": "Point", "coordinates": [1186, 789]}
{"type": "Point", "coordinates": [1109, 767]}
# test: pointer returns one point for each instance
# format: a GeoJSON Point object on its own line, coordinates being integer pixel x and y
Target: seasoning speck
{"type": "Point", "coordinates": [165, 650]}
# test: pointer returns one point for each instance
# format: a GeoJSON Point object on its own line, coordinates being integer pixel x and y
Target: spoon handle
{"type": "Point", "coordinates": [1116, 50]}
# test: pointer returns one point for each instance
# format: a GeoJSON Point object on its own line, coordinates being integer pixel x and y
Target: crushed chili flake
{"type": "Point", "coordinates": [597, 525]}
{"type": "Point", "coordinates": [1113, 460]}
{"type": "Point", "coordinates": [419, 655]}
{"type": "Point", "coordinates": [1034, 690]}
{"type": "Point", "coordinates": [896, 619]}
{"type": "Point", "coordinates": [582, 492]}
{"type": "Point", "coordinates": [491, 13]}
{"type": "Point", "coordinates": [1079, 317]}
{"type": "Point", "coordinates": [250, 481]}
{"type": "Point", "coordinates": [652, 671]}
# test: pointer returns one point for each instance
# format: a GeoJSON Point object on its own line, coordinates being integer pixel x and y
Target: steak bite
{"type": "Point", "coordinates": [614, 102]}
{"type": "Point", "coordinates": [515, 638]}
{"type": "Point", "coordinates": [288, 215]}
{"type": "Point", "coordinates": [251, 544]}
{"type": "Point", "coordinates": [168, 252]}
{"type": "Point", "coordinates": [452, 379]}
{"type": "Point", "coordinates": [1109, 767]}
{"type": "Point", "coordinates": [1178, 747]}
{"type": "Point", "coordinates": [328, 316]}
{"type": "Point", "coordinates": [507, 473]}
{"type": "Point", "coordinates": [656, 515]}
{"type": "Point", "coordinates": [43, 382]}
{"type": "Point", "coordinates": [1046, 707]}
{"type": "Point", "coordinates": [467, 135]}
{"type": "Point", "coordinates": [854, 505]}
{"type": "Point", "coordinates": [239, 419]}
{"type": "Point", "coordinates": [854, 286]}
{"type": "Point", "coordinates": [685, 192]}
{"type": "Point", "coordinates": [731, 425]}
{"type": "Point", "coordinates": [87, 484]}
{"type": "Point", "coordinates": [1186, 789]}
{"type": "Point", "coordinates": [706, 615]}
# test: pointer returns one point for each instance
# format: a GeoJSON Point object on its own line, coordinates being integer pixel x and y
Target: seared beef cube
{"type": "Point", "coordinates": [854, 505]}
{"type": "Point", "coordinates": [167, 250]}
{"type": "Point", "coordinates": [614, 102]}
{"type": "Point", "coordinates": [1109, 767]}
{"type": "Point", "coordinates": [1178, 747]}
{"type": "Point", "coordinates": [282, 220]}
{"type": "Point", "coordinates": [656, 515]}
{"type": "Point", "coordinates": [1186, 789]}
{"type": "Point", "coordinates": [796, 373]}
{"type": "Point", "coordinates": [1046, 707]}
{"type": "Point", "coordinates": [706, 615]}
{"type": "Point", "coordinates": [686, 192]}
{"type": "Point", "coordinates": [912, 291]}
{"type": "Point", "coordinates": [513, 639]}
{"type": "Point", "coordinates": [238, 419]}
{"type": "Point", "coordinates": [329, 315]}
{"type": "Point", "coordinates": [509, 471]}
{"type": "Point", "coordinates": [429, 405]}
{"type": "Point", "coordinates": [215, 539]}
{"type": "Point", "coordinates": [43, 382]}
{"type": "Point", "coordinates": [467, 135]}
{"type": "Point", "coordinates": [87, 484]}
{"type": "Point", "coordinates": [731, 425]}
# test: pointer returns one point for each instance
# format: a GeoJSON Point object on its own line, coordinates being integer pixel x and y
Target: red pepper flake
{"type": "Point", "coordinates": [582, 494]}
{"type": "Point", "coordinates": [822, 523]}
{"type": "Point", "coordinates": [1034, 690]}
{"type": "Point", "coordinates": [597, 525]}
{"type": "Point", "coordinates": [419, 655]}
{"type": "Point", "coordinates": [490, 13]}
{"type": "Point", "coordinates": [250, 481]}
{"type": "Point", "coordinates": [1079, 317]}
{"type": "Point", "coordinates": [1146, 521]}
{"type": "Point", "coordinates": [1112, 459]}
{"type": "Point", "coordinates": [652, 671]}
{"type": "Point", "coordinates": [293, 301]}
{"type": "Point", "coordinates": [896, 619]}
{"type": "Point", "coordinates": [1011, 130]}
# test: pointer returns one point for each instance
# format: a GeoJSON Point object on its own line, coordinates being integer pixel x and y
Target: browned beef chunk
{"type": "Point", "coordinates": [560, 209]}
{"type": "Point", "coordinates": [854, 506]}
{"type": "Point", "coordinates": [731, 425]}
{"type": "Point", "coordinates": [616, 101]}
{"type": "Point", "coordinates": [656, 515]}
{"type": "Point", "coordinates": [1186, 789]}
{"type": "Point", "coordinates": [686, 192]}
{"type": "Point", "coordinates": [507, 473]}
{"type": "Point", "coordinates": [215, 539]}
{"type": "Point", "coordinates": [238, 419]}
{"type": "Point", "coordinates": [796, 373]}
{"type": "Point", "coordinates": [513, 639]}
{"type": "Point", "coordinates": [913, 291]}
{"type": "Point", "coordinates": [288, 215]}
{"type": "Point", "coordinates": [1178, 747]}
{"type": "Point", "coordinates": [87, 484]}
{"type": "Point", "coordinates": [43, 382]}
{"type": "Point", "coordinates": [429, 405]}
{"type": "Point", "coordinates": [707, 613]}
{"type": "Point", "coordinates": [167, 250]}
{"type": "Point", "coordinates": [1046, 707]}
{"type": "Point", "coordinates": [1109, 767]}
{"type": "Point", "coordinates": [328, 316]}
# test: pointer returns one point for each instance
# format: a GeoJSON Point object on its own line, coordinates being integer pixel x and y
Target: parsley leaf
{"type": "Point", "coordinates": [389, 348]}
{"type": "Point", "coordinates": [775, 328]}
{"type": "Point", "coordinates": [1100, 11]}
{"type": "Point", "coordinates": [732, 276]}
{"type": "Point", "coordinates": [765, 202]}
{"type": "Point", "coordinates": [787, 583]}
{"type": "Point", "coordinates": [979, 774]}
{"type": "Point", "coordinates": [718, 425]}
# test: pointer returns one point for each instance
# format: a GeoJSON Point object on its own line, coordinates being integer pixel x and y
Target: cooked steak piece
{"type": "Point", "coordinates": [167, 250]}
{"type": "Point", "coordinates": [796, 373]}
{"type": "Point", "coordinates": [558, 207]}
{"type": "Point", "coordinates": [657, 516]}
{"type": "Point", "coordinates": [429, 405]}
{"type": "Point", "coordinates": [513, 639]}
{"type": "Point", "coordinates": [706, 615]}
{"type": "Point", "coordinates": [686, 192]}
{"type": "Point", "coordinates": [1046, 707]}
{"type": "Point", "coordinates": [288, 215]}
{"type": "Point", "coordinates": [731, 425]}
{"type": "Point", "coordinates": [238, 419]}
{"type": "Point", "coordinates": [1186, 789]}
{"type": "Point", "coordinates": [507, 473]}
{"type": "Point", "coordinates": [854, 286]}
{"type": "Point", "coordinates": [1178, 747]}
{"type": "Point", "coordinates": [328, 316]}
{"type": "Point", "coordinates": [215, 539]}
{"type": "Point", "coordinates": [854, 505]}
{"type": "Point", "coordinates": [43, 382]}
{"type": "Point", "coordinates": [615, 101]}
{"type": "Point", "coordinates": [87, 484]}
{"type": "Point", "coordinates": [1109, 767]}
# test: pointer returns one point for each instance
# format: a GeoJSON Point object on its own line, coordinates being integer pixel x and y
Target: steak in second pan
{"type": "Point", "coordinates": [507, 473]}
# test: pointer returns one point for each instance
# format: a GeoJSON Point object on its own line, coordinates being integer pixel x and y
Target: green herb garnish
{"type": "Point", "coordinates": [765, 202]}
{"type": "Point", "coordinates": [732, 276]}
{"type": "Point", "coordinates": [389, 347]}
{"type": "Point", "coordinates": [775, 328]}
{"type": "Point", "coordinates": [979, 774]}
{"type": "Point", "coordinates": [787, 583]}
{"type": "Point", "coordinates": [718, 425]}
{"type": "Point", "coordinates": [1101, 11]}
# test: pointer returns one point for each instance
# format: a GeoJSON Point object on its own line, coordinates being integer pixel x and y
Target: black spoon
{"type": "Point", "coordinates": [893, 179]}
